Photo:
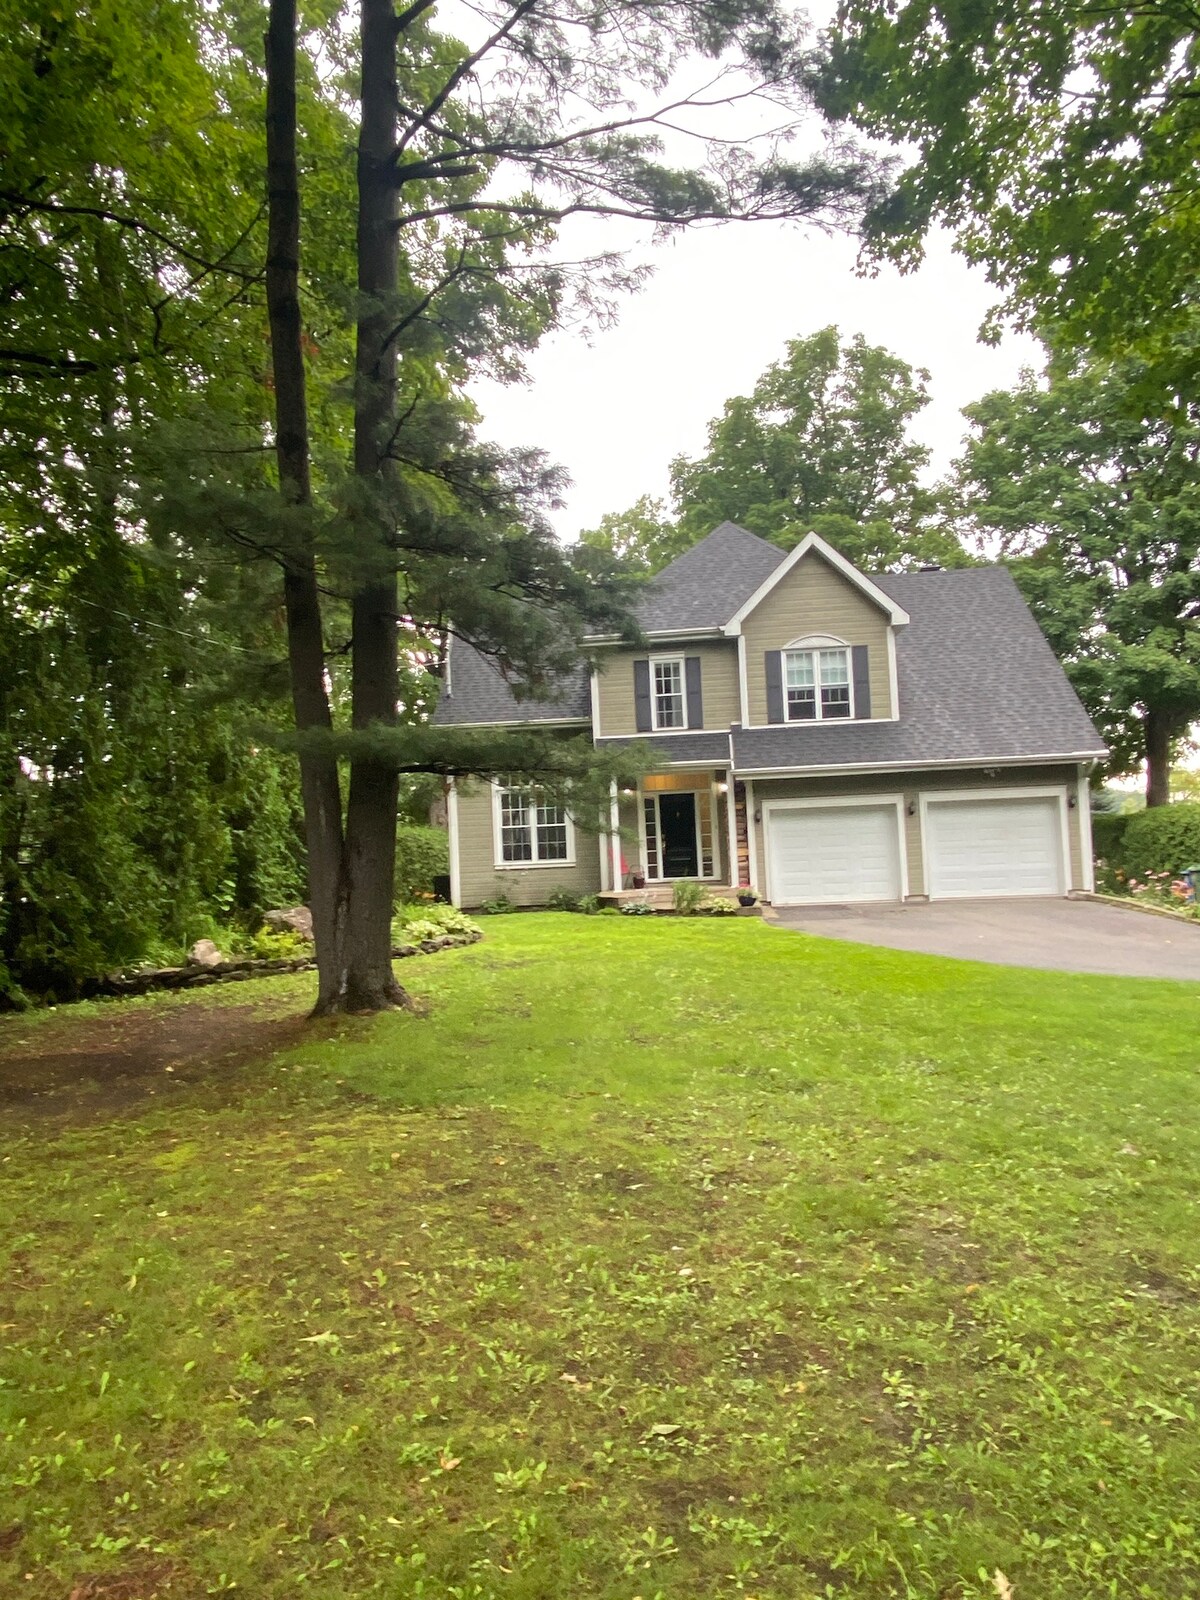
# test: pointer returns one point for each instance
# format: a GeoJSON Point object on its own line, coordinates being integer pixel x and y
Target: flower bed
{"type": "Point", "coordinates": [1161, 890]}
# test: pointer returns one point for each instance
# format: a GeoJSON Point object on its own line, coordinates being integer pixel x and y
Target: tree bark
{"type": "Point", "coordinates": [319, 783]}
{"type": "Point", "coordinates": [370, 983]}
{"type": "Point", "coordinates": [1158, 759]}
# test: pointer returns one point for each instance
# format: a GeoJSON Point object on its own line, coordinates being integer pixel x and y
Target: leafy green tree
{"type": "Point", "coordinates": [1059, 142]}
{"type": "Point", "coordinates": [645, 537]}
{"type": "Point", "coordinates": [1099, 514]}
{"type": "Point", "coordinates": [822, 444]}
{"type": "Point", "coordinates": [139, 800]}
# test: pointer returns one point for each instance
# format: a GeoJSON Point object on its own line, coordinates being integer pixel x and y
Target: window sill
{"type": "Point", "coordinates": [532, 866]}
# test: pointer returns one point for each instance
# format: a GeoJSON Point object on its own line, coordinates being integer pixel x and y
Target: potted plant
{"type": "Point", "coordinates": [747, 897]}
{"type": "Point", "coordinates": [639, 879]}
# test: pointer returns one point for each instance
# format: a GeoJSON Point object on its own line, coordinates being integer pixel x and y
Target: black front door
{"type": "Point", "coordinates": [677, 821]}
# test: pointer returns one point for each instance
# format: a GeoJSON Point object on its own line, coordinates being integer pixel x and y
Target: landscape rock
{"type": "Point", "coordinates": [291, 919]}
{"type": "Point", "coordinates": [204, 953]}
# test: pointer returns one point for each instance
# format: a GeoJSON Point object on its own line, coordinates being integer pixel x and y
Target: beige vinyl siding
{"type": "Point", "coordinates": [911, 785]}
{"type": "Point", "coordinates": [480, 879]}
{"type": "Point", "coordinates": [718, 684]}
{"type": "Point", "coordinates": [814, 598]}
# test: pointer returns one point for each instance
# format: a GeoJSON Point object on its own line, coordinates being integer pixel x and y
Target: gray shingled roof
{"type": "Point", "coordinates": [479, 693]}
{"type": "Point", "coordinates": [977, 679]}
{"type": "Point", "coordinates": [712, 747]}
{"type": "Point", "coordinates": [977, 682]}
{"type": "Point", "coordinates": [704, 586]}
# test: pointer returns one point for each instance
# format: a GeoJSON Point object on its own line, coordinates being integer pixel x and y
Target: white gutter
{"type": "Point", "coordinates": [915, 766]}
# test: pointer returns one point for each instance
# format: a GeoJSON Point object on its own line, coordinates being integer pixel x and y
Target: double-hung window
{"type": "Point", "coordinates": [531, 827]}
{"type": "Point", "coordinates": [666, 693]}
{"type": "Point", "coordinates": [817, 684]}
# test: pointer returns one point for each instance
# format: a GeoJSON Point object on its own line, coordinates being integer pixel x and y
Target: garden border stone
{"type": "Point", "coordinates": [1128, 904]}
{"type": "Point", "coordinates": [115, 984]}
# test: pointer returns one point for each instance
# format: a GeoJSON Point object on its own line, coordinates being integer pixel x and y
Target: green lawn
{"type": "Point", "coordinates": [659, 1258]}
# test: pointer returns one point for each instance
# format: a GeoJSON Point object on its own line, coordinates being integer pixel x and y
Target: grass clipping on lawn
{"type": "Point", "coordinates": [667, 1259]}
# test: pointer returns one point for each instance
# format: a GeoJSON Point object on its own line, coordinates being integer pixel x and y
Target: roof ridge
{"type": "Point", "coordinates": [721, 527]}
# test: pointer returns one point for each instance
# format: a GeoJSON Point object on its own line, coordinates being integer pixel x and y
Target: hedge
{"type": "Point", "coordinates": [421, 855]}
{"type": "Point", "coordinates": [1108, 835]}
{"type": "Point", "coordinates": [1161, 839]}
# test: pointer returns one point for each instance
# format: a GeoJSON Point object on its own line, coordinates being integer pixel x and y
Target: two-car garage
{"type": "Point", "coordinates": [840, 850]}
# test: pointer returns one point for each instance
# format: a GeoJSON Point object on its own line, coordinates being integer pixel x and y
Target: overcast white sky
{"type": "Point", "coordinates": [719, 308]}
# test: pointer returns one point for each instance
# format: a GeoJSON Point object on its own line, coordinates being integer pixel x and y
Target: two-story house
{"type": "Point", "coordinates": [818, 734]}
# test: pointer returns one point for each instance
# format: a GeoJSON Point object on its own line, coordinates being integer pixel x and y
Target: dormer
{"type": "Point", "coordinates": [816, 643]}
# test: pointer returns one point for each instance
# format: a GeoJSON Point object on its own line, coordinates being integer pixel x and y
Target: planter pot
{"type": "Point", "coordinates": [639, 880]}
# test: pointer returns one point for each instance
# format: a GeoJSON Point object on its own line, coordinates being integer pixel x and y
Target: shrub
{"type": "Point", "coordinates": [431, 921]}
{"type": "Point", "coordinates": [498, 906]}
{"type": "Point", "coordinates": [720, 907]}
{"type": "Point", "coordinates": [422, 854]}
{"type": "Point", "coordinates": [687, 897]}
{"type": "Point", "coordinates": [1162, 839]}
{"type": "Point", "coordinates": [562, 899]}
{"type": "Point", "coordinates": [1108, 834]}
{"type": "Point", "coordinates": [422, 928]}
{"type": "Point", "coordinates": [637, 908]}
{"type": "Point", "coordinates": [267, 945]}
{"type": "Point", "coordinates": [589, 904]}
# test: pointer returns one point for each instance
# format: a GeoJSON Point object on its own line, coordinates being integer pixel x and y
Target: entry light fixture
{"type": "Point", "coordinates": [1072, 801]}
{"type": "Point", "coordinates": [912, 808]}
{"type": "Point", "coordinates": [722, 788]}
{"type": "Point", "coordinates": [628, 791]}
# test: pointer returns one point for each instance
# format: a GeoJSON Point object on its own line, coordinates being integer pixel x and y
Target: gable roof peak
{"type": "Point", "coordinates": [812, 543]}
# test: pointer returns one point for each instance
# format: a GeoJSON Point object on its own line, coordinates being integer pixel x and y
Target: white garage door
{"type": "Point", "coordinates": [828, 855]}
{"type": "Point", "coordinates": [994, 847]}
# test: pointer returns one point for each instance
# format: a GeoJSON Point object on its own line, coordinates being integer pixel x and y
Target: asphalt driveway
{"type": "Point", "coordinates": [1064, 935]}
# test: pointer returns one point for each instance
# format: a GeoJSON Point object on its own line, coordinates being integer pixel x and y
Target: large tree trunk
{"type": "Point", "coordinates": [370, 982]}
{"type": "Point", "coordinates": [1158, 759]}
{"type": "Point", "coordinates": [319, 783]}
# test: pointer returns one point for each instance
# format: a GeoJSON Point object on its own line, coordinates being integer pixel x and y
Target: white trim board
{"type": "Point", "coordinates": [452, 832]}
{"type": "Point", "coordinates": [960, 764]}
{"type": "Point", "coordinates": [812, 542]}
{"type": "Point", "coordinates": [1087, 852]}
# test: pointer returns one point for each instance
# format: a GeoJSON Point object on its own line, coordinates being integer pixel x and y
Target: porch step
{"type": "Point", "coordinates": [662, 895]}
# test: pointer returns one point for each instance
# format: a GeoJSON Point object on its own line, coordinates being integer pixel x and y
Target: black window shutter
{"type": "Point", "coordinates": [695, 701]}
{"type": "Point", "coordinates": [641, 696]}
{"type": "Point", "coordinates": [862, 680]}
{"type": "Point", "coordinates": [774, 666]}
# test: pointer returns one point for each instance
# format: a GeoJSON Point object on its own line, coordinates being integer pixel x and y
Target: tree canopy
{"type": "Point", "coordinates": [1058, 142]}
{"type": "Point", "coordinates": [1098, 513]}
{"type": "Point", "coordinates": [823, 443]}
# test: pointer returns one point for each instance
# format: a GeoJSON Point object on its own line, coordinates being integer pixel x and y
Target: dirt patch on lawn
{"type": "Point", "coordinates": [87, 1068]}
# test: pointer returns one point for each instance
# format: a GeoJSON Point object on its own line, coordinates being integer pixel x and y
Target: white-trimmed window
{"type": "Point", "coordinates": [667, 699]}
{"type": "Point", "coordinates": [817, 684]}
{"type": "Point", "coordinates": [532, 828]}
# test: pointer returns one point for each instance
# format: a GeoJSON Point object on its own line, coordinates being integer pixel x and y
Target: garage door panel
{"type": "Point", "coordinates": [830, 855]}
{"type": "Point", "coordinates": [994, 846]}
